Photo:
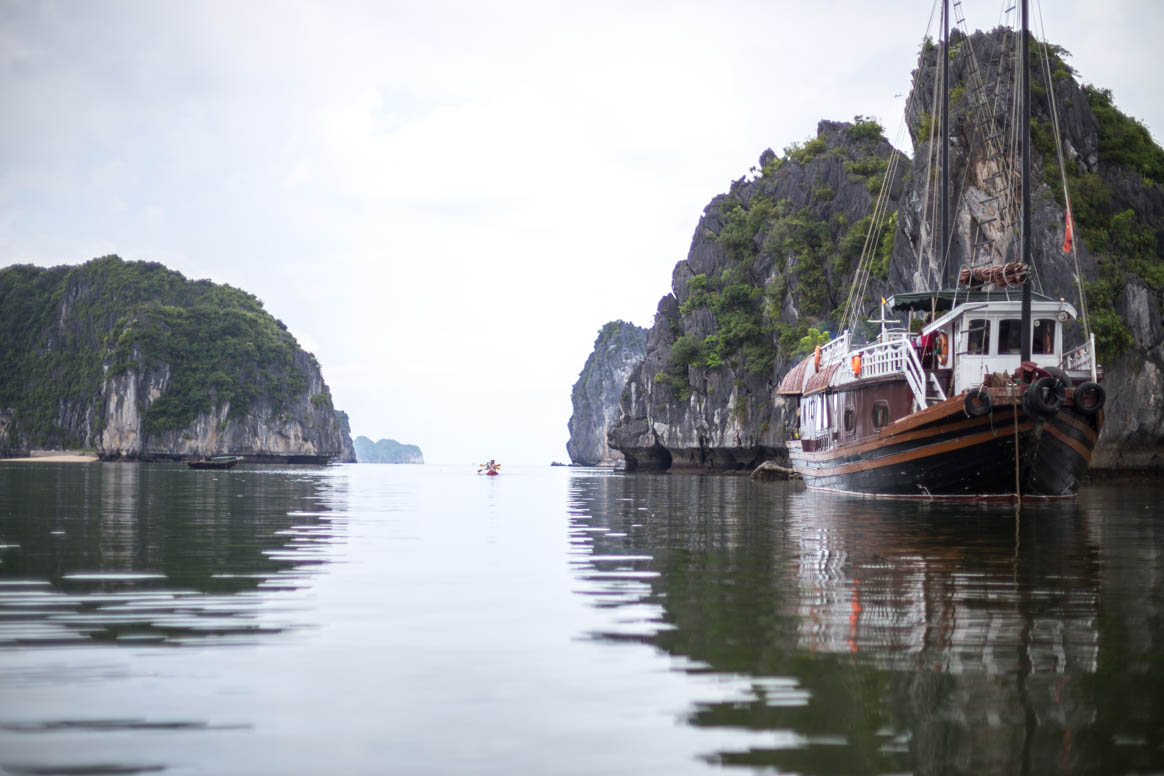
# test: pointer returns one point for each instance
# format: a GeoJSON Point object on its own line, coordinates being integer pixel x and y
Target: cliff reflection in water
{"type": "Point", "coordinates": [875, 636]}
{"type": "Point", "coordinates": [154, 553]}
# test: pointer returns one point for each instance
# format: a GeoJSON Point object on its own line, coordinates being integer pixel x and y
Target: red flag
{"type": "Point", "coordinates": [1069, 234]}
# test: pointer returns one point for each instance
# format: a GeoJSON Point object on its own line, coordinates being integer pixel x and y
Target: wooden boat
{"type": "Point", "coordinates": [987, 401]}
{"type": "Point", "coordinates": [217, 462]}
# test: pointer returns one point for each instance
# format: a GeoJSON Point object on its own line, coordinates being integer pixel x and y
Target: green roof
{"type": "Point", "coordinates": [923, 300]}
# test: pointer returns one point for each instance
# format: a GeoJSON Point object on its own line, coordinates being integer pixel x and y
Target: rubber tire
{"type": "Point", "coordinates": [984, 405]}
{"type": "Point", "coordinates": [1027, 408]}
{"type": "Point", "coordinates": [1078, 398]}
{"type": "Point", "coordinates": [1046, 396]}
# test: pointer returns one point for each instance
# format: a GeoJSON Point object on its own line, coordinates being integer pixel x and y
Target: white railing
{"type": "Point", "coordinates": [914, 374]}
{"type": "Point", "coordinates": [893, 356]}
{"type": "Point", "coordinates": [836, 349]}
{"type": "Point", "coordinates": [1082, 359]}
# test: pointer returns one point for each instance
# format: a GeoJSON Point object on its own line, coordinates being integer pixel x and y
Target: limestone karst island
{"type": "Point", "coordinates": [136, 362]}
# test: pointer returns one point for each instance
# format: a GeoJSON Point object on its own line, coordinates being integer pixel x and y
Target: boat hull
{"type": "Point", "coordinates": [941, 452]}
{"type": "Point", "coordinates": [212, 464]}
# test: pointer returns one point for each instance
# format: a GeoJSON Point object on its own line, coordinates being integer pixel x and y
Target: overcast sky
{"type": "Point", "coordinates": [445, 201]}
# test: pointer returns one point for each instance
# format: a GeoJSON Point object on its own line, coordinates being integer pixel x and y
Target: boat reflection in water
{"type": "Point", "coordinates": [873, 636]}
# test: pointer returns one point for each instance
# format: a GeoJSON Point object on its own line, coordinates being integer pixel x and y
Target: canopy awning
{"type": "Point", "coordinates": [944, 299]}
{"type": "Point", "coordinates": [793, 382]}
{"type": "Point", "coordinates": [820, 381]}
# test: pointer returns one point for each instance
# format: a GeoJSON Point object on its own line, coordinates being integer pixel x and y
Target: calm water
{"type": "Point", "coordinates": [424, 620]}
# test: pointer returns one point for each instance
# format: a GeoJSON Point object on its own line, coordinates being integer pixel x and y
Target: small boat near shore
{"type": "Point", "coordinates": [217, 462]}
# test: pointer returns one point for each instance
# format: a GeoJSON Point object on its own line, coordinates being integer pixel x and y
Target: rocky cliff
{"type": "Point", "coordinates": [769, 264]}
{"type": "Point", "coordinates": [348, 454]}
{"type": "Point", "coordinates": [618, 349]}
{"type": "Point", "coordinates": [138, 362]}
{"type": "Point", "coordinates": [386, 451]}
{"type": "Point", "coordinates": [1114, 172]}
{"type": "Point", "coordinates": [771, 261]}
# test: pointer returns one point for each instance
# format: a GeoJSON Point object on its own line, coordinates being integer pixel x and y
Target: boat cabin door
{"type": "Point", "coordinates": [972, 358]}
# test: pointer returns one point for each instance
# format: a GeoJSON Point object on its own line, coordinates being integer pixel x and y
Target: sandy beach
{"type": "Point", "coordinates": [55, 456]}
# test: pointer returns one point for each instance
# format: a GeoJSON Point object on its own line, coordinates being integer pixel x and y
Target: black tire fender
{"type": "Point", "coordinates": [978, 402]}
{"type": "Point", "coordinates": [1046, 396]}
{"type": "Point", "coordinates": [1089, 398]}
{"type": "Point", "coordinates": [1030, 411]}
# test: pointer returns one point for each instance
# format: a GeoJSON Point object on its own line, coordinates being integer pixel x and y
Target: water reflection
{"type": "Point", "coordinates": [156, 554]}
{"type": "Point", "coordinates": [871, 636]}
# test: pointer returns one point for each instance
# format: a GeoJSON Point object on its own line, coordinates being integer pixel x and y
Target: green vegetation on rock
{"type": "Point", "coordinates": [811, 341]}
{"type": "Point", "coordinates": [1130, 248]}
{"type": "Point", "coordinates": [65, 330]}
{"type": "Point", "coordinates": [1125, 245]}
{"type": "Point", "coordinates": [784, 259]}
{"type": "Point", "coordinates": [924, 127]}
{"type": "Point", "coordinates": [1123, 141]}
{"type": "Point", "coordinates": [217, 354]}
{"type": "Point", "coordinates": [866, 128]}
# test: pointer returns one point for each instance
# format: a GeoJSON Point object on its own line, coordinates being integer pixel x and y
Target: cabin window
{"type": "Point", "coordinates": [978, 337]}
{"type": "Point", "coordinates": [880, 414]}
{"type": "Point", "coordinates": [850, 420]}
{"type": "Point", "coordinates": [1010, 336]}
{"type": "Point", "coordinates": [1043, 340]}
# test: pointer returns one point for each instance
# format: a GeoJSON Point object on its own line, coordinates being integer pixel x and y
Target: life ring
{"type": "Point", "coordinates": [856, 364]}
{"type": "Point", "coordinates": [943, 348]}
{"type": "Point", "coordinates": [978, 402]}
{"type": "Point", "coordinates": [1089, 398]}
{"type": "Point", "coordinates": [1046, 396]}
{"type": "Point", "coordinates": [816, 359]}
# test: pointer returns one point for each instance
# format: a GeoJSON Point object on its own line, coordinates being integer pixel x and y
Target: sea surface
{"type": "Point", "coordinates": [373, 619]}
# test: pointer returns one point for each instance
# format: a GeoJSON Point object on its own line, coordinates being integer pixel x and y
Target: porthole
{"type": "Point", "coordinates": [880, 414]}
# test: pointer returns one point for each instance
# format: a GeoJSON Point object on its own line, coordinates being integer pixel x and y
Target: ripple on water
{"type": "Point", "coordinates": [113, 576]}
{"type": "Point", "coordinates": [34, 613]}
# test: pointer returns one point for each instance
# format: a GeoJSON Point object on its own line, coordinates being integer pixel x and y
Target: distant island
{"type": "Point", "coordinates": [386, 451]}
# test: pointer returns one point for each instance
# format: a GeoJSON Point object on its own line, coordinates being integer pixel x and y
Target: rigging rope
{"type": "Point", "coordinates": [1014, 138]}
{"type": "Point", "coordinates": [1063, 173]}
{"type": "Point", "coordinates": [861, 275]}
{"type": "Point", "coordinates": [986, 132]}
{"type": "Point", "coordinates": [930, 151]}
{"type": "Point", "coordinates": [985, 117]}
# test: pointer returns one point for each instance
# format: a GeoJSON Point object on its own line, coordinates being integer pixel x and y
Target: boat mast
{"type": "Point", "coordinates": [1026, 187]}
{"type": "Point", "coordinates": [944, 51]}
